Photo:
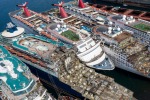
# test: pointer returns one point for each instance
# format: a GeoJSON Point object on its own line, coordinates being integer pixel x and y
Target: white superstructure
{"type": "Point", "coordinates": [127, 52]}
{"type": "Point", "coordinates": [92, 54]}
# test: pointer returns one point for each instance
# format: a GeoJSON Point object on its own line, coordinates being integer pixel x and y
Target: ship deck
{"type": "Point", "coordinates": [42, 48]}
{"type": "Point", "coordinates": [122, 36]}
{"type": "Point", "coordinates": [16, 84]}
{"type": "Point", "coordinates": [141, 26]}
{"type": "Point", "coordinates": [38, 45]}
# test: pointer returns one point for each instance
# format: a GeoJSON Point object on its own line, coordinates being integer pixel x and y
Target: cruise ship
{"type": "Point", "coordinates": [59, 67]}
{"type": "Point", "coordinates": [17, 82]}
{"type": "Point", "coordinates": [126, 41]}
{"type": "Point", "coordinates": [56, 25]}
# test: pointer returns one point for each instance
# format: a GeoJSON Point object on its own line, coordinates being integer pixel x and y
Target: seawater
{"type": "Point", "coordinates": [139, 85]}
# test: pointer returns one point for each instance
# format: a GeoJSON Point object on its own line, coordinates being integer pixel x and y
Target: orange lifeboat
{"type": "Point", "coordinates": [24, 21]}
{"type": "Point", "coordinates": [48, 35]}
{"type": "Point", "coordinates": [42, 64]}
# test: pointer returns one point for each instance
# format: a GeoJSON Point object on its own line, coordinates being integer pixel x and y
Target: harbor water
{"type": "Point", "coordinates": [139, 85]}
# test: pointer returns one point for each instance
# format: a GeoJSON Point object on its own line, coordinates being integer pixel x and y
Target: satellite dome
{"type": "Point", "coordinates": [58, 25]}
{"type": "Point", "coordinates": [65, 26]}
{"type": "Point", "coordinates": [56, 29]}
{"type": "Point", "coordinates": [109, 31]}
{"type": "Point", "coordinates": [126, 22]}
{"type": "Point", "coordinates": [124, 17]}
{"type": "Point", "coordinates": [109, 28]}
{"type": "Point", "coordinates": [118, 29]}
{"type": "Point", "coordinates": [131, 17]}
{"type": "Point", "coordinates": [110, 23]}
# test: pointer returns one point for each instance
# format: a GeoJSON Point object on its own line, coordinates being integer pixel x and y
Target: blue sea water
{"type": "Point", "coordinates": [7, 6]}
{"type": "Point", "coordinates": [139, 85]}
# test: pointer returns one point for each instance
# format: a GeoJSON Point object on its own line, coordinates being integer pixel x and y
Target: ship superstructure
{"type": "Point", "coordinates": [17, 82]}
{"type": "Point", "coordinates": [139, 27]}
{"type": "Point", "coordinates": [92, 54]}
{"type": "Point", "coordinates": [122, 11]}
{"type": "Point", "coordinates": [125, 49]}
{"type": "Point", "coordinates": [33, 22]}
{"type": "Point", "coordinates": [87, 14]}
{"type": "Point", "coordinates": [51, 58]}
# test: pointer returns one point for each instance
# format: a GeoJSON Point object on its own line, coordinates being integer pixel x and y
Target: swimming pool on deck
{"type": "Point", "coordinates": [21, 84]}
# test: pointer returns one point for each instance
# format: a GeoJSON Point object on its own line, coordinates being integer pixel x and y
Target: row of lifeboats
{"type": "Point", "coordinates": [24, 21]}
{"type": "Point", "coordinates": [40, 15]}
{"type": "Point", "coordinates": [124, 11]}
{"type": "Point", "coordinates": [25, 56]}
{"type": "Point", "coordinates": [48, 35]}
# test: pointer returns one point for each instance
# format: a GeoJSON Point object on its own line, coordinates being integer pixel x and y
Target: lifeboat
{"type": "Point", "coordinates": [24, 21]}
{"type": "Point", "coordinates": [48, 35]}
{"type": "Point", "coordinates": [127, 12]}
{"type": "Point", "coordinates": [42, 64]}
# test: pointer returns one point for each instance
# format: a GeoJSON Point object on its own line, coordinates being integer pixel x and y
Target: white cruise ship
{"type": "Point", "coordinates": [129, 49]}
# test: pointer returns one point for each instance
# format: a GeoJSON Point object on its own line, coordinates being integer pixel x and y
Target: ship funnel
{"type": "Point", "coordinates": [61, 9]}
{"type": "Point", "coordinates": [25, 9]}
{"type": "Point", "coordinates": [81, 4]}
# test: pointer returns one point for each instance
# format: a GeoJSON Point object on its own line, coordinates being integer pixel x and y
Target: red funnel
{"type": "Point", "coordinates": [81, 4]}
{"type": "Point", "coordinates": [25, 9]}
{"type": "Point", "coordinates": [61, 10]}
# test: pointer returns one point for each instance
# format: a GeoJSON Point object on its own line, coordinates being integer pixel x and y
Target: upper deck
{"type": "Point", "coordinates": [139, 25]}
{"type": "Point", "coordinates": [125, 35]}
{"type": "Point", "coordinates": [36, 20]}
{"type": "Point", "coordinates": [38, 46]}
{"type": "Point", "coordinates": [13, 73]}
